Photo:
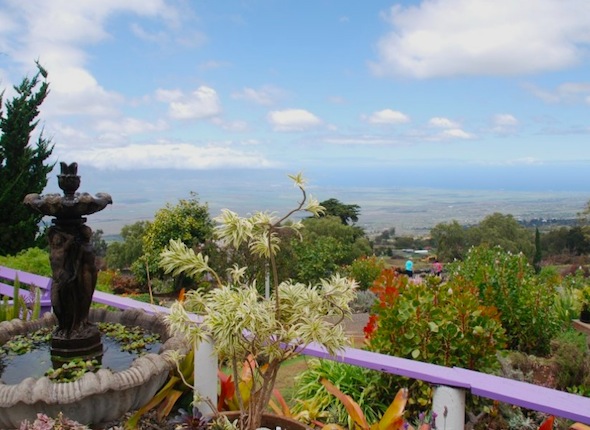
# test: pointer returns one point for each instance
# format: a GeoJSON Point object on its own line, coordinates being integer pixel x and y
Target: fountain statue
{"type": "Point", "coordinates": [72, 263]}
{"type": "Point", "coordinates": [104, 395]}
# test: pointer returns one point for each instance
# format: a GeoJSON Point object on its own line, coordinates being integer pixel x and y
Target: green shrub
{"type": "Point", "coordinates": [365, 270]}
{"type": "Point", "coordinates": [525, 301]}
{"type": "Point", "coordinates": [104, 281]}
{"type": "Point", "coordinates": [359, 383]}
{"type": "Point", "coordinates": [363, 302]}
{"type": "Point", "coordinates": [32, 260]}
{"type": "Point", "coordinates": [437, 323]}
{"type": "Point", "coordinates": [569, 353]}
{"type": "Point", "coordinates": [576, 282]}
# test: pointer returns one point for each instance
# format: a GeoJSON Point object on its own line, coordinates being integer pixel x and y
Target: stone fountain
{"type": "Point", "coordinates": [96, 397]}
{"type": "Point", "coordinates": [73, 265]}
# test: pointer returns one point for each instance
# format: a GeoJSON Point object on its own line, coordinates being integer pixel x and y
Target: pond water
{"type": "Point", "coordinates": [15, 368]}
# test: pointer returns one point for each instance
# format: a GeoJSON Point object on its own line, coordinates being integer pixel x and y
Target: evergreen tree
{"type": "Point", "coordinates": [22, 168]}
{"type": "Point", "coordinates": [346, 213]}
{"type": "Point", "coordinates": [538, 253]}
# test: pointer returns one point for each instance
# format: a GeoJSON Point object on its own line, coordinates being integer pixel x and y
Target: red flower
{"type": "Point", "coordinates": [371, 326]}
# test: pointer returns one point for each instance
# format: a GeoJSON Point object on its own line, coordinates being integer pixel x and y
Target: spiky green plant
{"type": "Point", "coordinates": [243, 323]}
{"type": "Point", "coordinates": [18, 307]}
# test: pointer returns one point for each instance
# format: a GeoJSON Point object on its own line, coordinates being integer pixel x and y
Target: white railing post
{"type": "Point", "coordinates": [449, 405]}
{"type": "Point", "coordinates": [206, 375]}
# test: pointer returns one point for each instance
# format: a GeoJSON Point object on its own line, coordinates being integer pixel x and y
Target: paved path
{"type": "Point", "coordinates": [354, 328]}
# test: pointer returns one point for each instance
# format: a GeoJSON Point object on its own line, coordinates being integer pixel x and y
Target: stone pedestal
{"type": "Point", "coordinates": [87, 347]}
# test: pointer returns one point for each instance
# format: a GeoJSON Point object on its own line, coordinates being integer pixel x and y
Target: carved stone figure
{"type": "Point", "coordinates": [74, 276]}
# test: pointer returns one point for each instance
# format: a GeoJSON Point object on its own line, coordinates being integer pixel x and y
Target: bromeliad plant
{"type": "Point", "coordinates": [17, 306]}
{"type": "Point", "coordinates": [241, 322]}
{"type": "Point", "coordinates": [392, 419]}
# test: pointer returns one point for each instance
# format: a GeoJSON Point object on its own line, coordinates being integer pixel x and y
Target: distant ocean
{"type": "Point", "coordinates": [410, 199]}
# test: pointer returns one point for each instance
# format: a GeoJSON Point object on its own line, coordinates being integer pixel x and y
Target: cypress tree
{"type": "Point", "coordinates": [538, 254]}
{"type": "Point", "coordinates": [22, 165]}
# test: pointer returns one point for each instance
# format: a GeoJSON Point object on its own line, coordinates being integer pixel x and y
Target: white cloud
{"type": "Point", "coordinates": [451, 129]}
{"type": "Point", "coordinates": [456, 133]}
{"type": "Point", "coordinates": [569, 92]}
{"type": "Point", "coordinates": [168, 96]}
{"type": "Point", "coordinates": [505, 119]}
{"type": "Point", "coordinates": [387, 116]}
{"type": "Point", "coordinates": [293, 120]}
{"type": "Point", "coordinates": [201, 103]}
{"type": "Point", "coordinates": [504, 123]}
{"type": "Point", "coordinates": [167, 155]}
{"type": "Point", "coordinates": [63, 135]}
{"type": "Point", "coordinates": [234, 126]}
{"type": "Point", "coordinates": [96, 103]}
{"type": "Point", "coordinates": [364, 140]}
{"type": "Point", "coordinates": [440, 122]}
{"type": "Point", "coordinates": [163, 37]}
{"type": "Point", "coordinates": [523, 161]}
{"type": "Point", "coordinates": [74, 91]}
{"type": "Point", "coordinates": [480, 37]}
{"type": "Point", "coordinates": [154, 36]}
{"type": "Point", "coordinates": [128, 126]}
{"type": "Point", "coordinates": [57, 33]}
{"type": "Point", "coordinates": [267, 95]}
{"type": "Point", "coordinates": [526, 161]}
{"type": "Point", "coordinates": [7, 25]}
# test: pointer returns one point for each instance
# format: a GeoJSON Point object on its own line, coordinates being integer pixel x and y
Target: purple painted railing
{"type": "Point", "coordinates": [28, 282]}
{"type": "Point", "coordinates": [530, 396]}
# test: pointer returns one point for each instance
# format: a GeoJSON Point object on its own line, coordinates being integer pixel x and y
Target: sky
{"type": "Point", "coordinates": [362, 89]}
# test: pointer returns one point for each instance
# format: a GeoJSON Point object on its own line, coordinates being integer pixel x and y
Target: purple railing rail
{"type": "Point", "coordinates": [530, 396]}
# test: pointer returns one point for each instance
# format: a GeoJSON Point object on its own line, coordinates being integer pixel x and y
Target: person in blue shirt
{"type": "Point", "coordinates": [410, 268]}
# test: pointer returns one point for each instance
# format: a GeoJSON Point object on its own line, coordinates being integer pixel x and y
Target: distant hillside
{"type": "Point", "coordinates": [543, 223]}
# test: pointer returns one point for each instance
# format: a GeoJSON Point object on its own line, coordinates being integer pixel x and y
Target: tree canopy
{"type": "Point", "coordinates": [453, 240]}
{"type": "Point", "coordinates": [189, 221]}
{"type": "Point", "coordinates": [23, 167]}
{"type": "Point", "coordinates": [450, 240]}
{"type": "Point", "coordinates": [327, 245]}
{"type": "Point", "coordinates": [121, 255]}
{"type": "Point", "coordinates": [505, 231]}
{"type": "Point", "coordinates": [346, 213]}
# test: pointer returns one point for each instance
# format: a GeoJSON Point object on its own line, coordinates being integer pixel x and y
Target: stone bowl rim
{"type": "Point", "coordinates": [32, 390]}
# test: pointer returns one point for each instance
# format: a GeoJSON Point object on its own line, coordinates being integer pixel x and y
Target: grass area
{"type": "Point", "coordinates": [287, 374]}
{"type": "Point", "coordinates": [420, 262]}
{"type": "Point", "coordinates": [294, 367]}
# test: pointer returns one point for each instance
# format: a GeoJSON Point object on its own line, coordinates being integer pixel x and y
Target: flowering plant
{"type": "Point", "coordinates": [426, 421]}
{"type": "Point", "coordinates": [392, 419]}
{"type": "Point", "coordinates": [44, 422]}
{"type": "Point", "coordinates": [243, 323]}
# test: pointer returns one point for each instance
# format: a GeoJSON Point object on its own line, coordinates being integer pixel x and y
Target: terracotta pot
{"type": "Point", "coordinates": [273, 421]}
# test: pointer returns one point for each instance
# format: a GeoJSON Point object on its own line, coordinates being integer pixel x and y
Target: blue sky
{"type": "Point", "coordinates": [308, 85]}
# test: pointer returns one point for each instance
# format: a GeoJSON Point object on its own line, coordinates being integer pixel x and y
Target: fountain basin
{"type": "Point", "coordinates": [96, 397]}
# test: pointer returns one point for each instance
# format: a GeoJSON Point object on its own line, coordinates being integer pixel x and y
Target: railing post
{"type": "Point", "coordinates": [206, 375]}
{"type": "Point", "coordinates": [449, 405]}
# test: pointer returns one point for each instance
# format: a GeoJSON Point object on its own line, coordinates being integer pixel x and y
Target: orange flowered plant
{"type": "Point", "coordinates": [387, 287]}
{"type": "Point", "coordinates": [393, 418]}
{"type": "Point", "coordinates": [547, 424]}
{"type": "Point", "coordinates": [227, 400]}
